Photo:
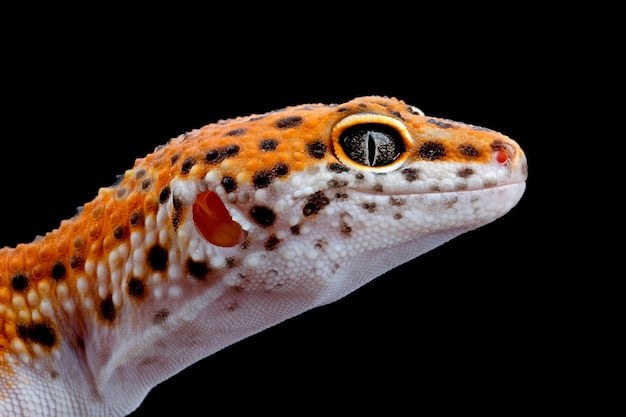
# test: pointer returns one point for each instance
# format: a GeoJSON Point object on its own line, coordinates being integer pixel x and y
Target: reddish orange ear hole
{"type": "Point", "coordinates": [214, 222]}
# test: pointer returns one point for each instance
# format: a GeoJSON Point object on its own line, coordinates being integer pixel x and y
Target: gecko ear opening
{"type": "Point", "coordinates": [214, 222]}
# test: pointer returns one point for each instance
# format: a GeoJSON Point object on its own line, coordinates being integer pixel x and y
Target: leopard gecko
{"type": "Point", "coordinates": [227, 230]}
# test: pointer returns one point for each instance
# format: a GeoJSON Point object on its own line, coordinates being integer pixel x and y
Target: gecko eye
{"type": "Point", "coordinates": [371, 141]}
{"type": "Point", "coordinates": [371, 144]}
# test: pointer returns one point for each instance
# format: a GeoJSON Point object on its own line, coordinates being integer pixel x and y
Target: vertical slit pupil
{"type": "Point", "coordinates": [371, 148]}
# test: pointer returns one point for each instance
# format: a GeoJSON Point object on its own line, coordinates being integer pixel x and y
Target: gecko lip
{"type": "Point", "coordinates": [440, 192]}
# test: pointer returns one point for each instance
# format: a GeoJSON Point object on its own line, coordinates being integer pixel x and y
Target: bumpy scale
{"type": "Point", "coordinates": [227, 230]}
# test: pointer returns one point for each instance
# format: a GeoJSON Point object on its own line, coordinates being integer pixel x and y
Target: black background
{"type": "Point", "coordinates": [472, 325]}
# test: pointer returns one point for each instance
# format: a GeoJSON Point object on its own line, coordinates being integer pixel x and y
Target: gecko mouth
{"type": "Point", "coordinates": [435, 190]}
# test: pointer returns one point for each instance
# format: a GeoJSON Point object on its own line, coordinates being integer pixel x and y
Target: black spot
{"type": "Point", "coordinates": [229, 184]}
{"type": "Point", "coordinates": [432, 150]}
{"type": "Point", "coordinates": [378, 188]}
{"type": "Point", "coordinates": [231, 262]}
{"type": "Point", "coordinates": [121, 192]}
{"type": "Point", "coordinates": [119, 232]}
{"type": "Point", "coordinates": [232, 150]}
{"type": "Point", "coordinates": [174, 159]}
{"type": "Point", "coordinates": [187, 165]}
{"type": "Point", "coordinates": [136, 288]}
{"type": "Point", "coordinates": [466, 172]}
{"type": "Point", "coordinates": [395, 113]}
{"type": "Point", "coordinates": [469, 151]}
{"type": "Point", "coordinates": [19, 282]}
{"type": "Point", "coordinates": [316, 150]}
{"type": "Point", "coordinates": [58, 271]}
{"type": "Point", "coordinates": [160, 316]}
{"type": "Point", "coordinates": [107, 309]}
{"type": "Point", "coordinates": [288, 122]}
{"type": "Point", "coordinates": [336, 167]}
{"type": "Point", "coordinates": [281, 169]}
{"type": "Point", "coordinates": [42, 333]}
{"type": "Point", "coordinates": [336, 183]}
{"type": "Point", "coordinates": [410, 174]}
{"type": "Point", "coordinates": [198, 270]}
{"type": "Point", "coordinates": [145, 184]}
{"type": "Point", "coordinates": [135, 218]}
{"type": "Point", "coordinates": [295, 230]}
{"type": "Point", "coordinates": [315, 203]}
{"type": "Point", "coordinates": [177, 203]}
{"type": "Point", "coordinates": [262, 179]}
{"type": "Point", "coordinates": [345, 229]}
{"type": "Point", "coordinates": [165, 194]}
{"type": "Point", "coordinates": [342, 109]}
{"type": "Point", "coordinates": [177, 215]}
{"type": "Point", "coordinates": [268, 144]}
{"type": "Point", "coordinates": [140, 173]}
{"type": "Point", "coordinates": [264, 216]}
{"type": "Point", "coordinates": [397, 201]}
{"type": "Point", "coordinates": [217, 155]}
{"type": "Point", "coordinates": [272, 243]}
{"type": "Point", "coordinates": [370, 207]}
{"type": "Point", "coordinates": [76, 261]}
{"type": "Point", "coordinates": [440, 123]}
{"type": "Point", "coordinates": [212, 156]}
{"type": "Point", "coordinates": [359, 176]}
{"type": "Point", "coordinates": [157, 258]}
{"type": "Point", "coordinates": [236, 132]}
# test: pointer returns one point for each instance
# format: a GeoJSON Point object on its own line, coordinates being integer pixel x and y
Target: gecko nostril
{"type": "Point", "coordinates": [500, 156]}
{"type": "Point", "coordinates": [503, 152]}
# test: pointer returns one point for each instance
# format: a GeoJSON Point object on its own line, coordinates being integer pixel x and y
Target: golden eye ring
{"type": "Point", "coordinates": [372, 142]}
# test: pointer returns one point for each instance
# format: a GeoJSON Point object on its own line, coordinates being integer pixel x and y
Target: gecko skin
{"type": "Point", "coordinates": [227, 230]}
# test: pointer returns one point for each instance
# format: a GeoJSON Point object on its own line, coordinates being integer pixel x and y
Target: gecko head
{"type": "Point", "coordinates": [322, 189]}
